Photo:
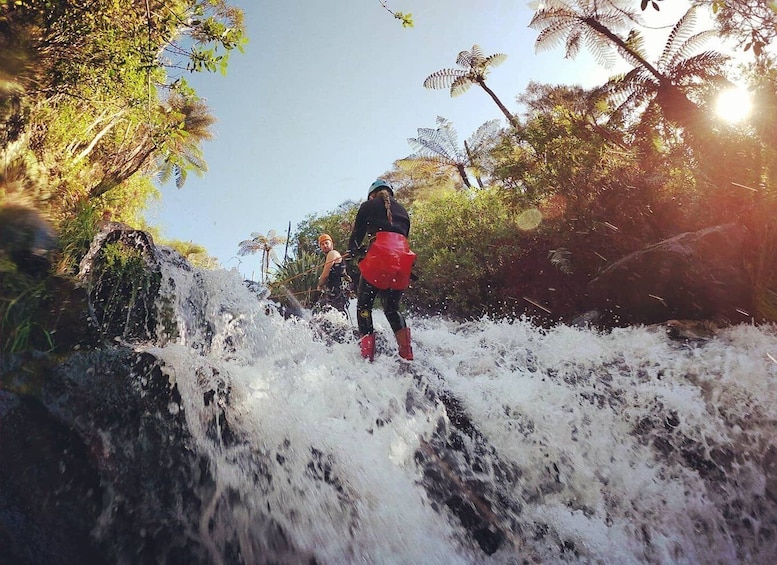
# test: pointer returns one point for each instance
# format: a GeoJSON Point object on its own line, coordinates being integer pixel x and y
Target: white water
{"type": "Point", "coordinates": [624, 447]}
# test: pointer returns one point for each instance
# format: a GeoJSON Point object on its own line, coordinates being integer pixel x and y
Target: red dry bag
{"type": "Point", "coordinates": [388, 262]}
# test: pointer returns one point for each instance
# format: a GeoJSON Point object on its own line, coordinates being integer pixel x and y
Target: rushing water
{"type": "Point", "coordinates": [501, 443]}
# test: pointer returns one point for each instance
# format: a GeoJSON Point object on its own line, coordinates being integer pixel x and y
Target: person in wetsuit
{"type": "Point", "coordinates": [333, 282]}
{"type": "Point", "coordinates": [385, 269]}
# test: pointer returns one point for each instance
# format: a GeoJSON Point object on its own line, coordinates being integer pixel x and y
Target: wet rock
{"type": "Point", "coordinates": [123, 277]}
{"type": "Point", "coordinates": [97, 465]}
{"type": "Point", "coordinates": [691, 331]}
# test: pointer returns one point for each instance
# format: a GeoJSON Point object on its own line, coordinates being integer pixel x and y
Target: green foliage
{"type": "Point", "coordinates": [124, 273]}
{"type": "Point", "coordinates": [293, 284]}
{"type": "Point", "coordinates": [560, 152]}
{"type": "Point", "coordinates": [752, 24]}
{"type": "Point", "coordinates": [462, 239]}
{"type": "Point", "coordinates": [95, 94]}
{"type": "Point", "coordinates": [94, 106]}
{"type": "Point", "coordinates": [194, 253]}
{"type": "Point", "coordinates": [418, 180]}
{"type": "Point", "coordinates": [21, 299]}
{"type": "Point", "coordinates": [76, 235]}
{"type": "Point", "coordinates": [337, 224]}
{"type": "Point", "coordinates": [124, 261]}
{"type": "Point", "coordinates": [128, 202]}
{"type": "Point", "coordinates": [406, 19]}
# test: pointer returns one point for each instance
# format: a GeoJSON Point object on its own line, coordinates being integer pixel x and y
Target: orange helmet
{"type": "Point", "coordinates": [323, 237]}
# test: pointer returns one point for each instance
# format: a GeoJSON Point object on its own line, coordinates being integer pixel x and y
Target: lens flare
{"type": "Point", "coordinates": [529, 219]}
{"type": "Point", "coordinates": [733, 105]}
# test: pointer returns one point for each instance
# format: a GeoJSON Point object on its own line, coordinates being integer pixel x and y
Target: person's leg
{"type": "Point", "coordinates": [365, 299]}
{"type": "Point", "coordinates": [339, 301]}
{"type": "Point", "coordinates": [391, 299]}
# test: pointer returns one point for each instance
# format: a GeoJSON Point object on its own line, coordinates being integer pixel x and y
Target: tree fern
{"type": "Point", "coordinates": [597, 24]}
{"type": "Point", "coordinates": [475, 68]}
{"type": "Point", "coordinates": [265, 244]}
{"type": "Point", "coordinates": [590, 23]}
{"type": "Point", "coordinates": [440, 146]}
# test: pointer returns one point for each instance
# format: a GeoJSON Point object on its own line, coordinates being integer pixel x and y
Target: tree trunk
{"type": "Point", "coordinates": [510, 118]}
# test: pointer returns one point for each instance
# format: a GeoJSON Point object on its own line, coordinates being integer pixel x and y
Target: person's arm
{"type": "Point", "coordinates": [359, 230]}
{"type": "Point", "coordinates": [331, 258]}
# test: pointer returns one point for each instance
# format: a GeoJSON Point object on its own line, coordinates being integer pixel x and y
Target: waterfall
{"type": "Point", "coordinates": [501, 443]}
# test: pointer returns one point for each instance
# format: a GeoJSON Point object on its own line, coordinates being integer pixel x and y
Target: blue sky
{"type": "Point", "coordinates": [324, 99]}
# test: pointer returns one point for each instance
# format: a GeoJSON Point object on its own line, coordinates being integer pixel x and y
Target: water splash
{"type": "Point", "coordinates": [502, 443]}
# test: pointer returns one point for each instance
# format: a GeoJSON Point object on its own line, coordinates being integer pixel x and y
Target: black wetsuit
{"type": "Point", "coordinates": [370, 219]}
{"type": "Point", "coordinates": [337, 291]}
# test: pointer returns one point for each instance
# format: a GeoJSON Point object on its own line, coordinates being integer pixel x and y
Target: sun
{"type": "Point", "coordinates": [733, 104]}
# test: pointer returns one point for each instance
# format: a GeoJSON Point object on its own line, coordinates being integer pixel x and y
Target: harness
{"type": "Point", "coordinates": [339, 289]}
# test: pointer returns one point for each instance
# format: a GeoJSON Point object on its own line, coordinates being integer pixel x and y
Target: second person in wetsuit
{"type": "Point", "coordinates": [333, 282]}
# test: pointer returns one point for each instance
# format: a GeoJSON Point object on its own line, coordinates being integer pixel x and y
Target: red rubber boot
{"type": "Point", "coordinates": [367, 345]}
{"type": "Point", "coordinates": [403, 340]}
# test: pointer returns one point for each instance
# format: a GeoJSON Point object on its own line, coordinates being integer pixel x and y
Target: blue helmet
{"type": "Point", "coordinates": [379, 185]}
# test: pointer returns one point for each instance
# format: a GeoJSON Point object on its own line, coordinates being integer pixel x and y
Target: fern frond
{"type": "Point", "coordinates": [691, 45]}
{"type": "Point", "coordinates": [461, 85]}
{"type": "Point", "coordinates": [249, 246]}
{"type": "Point", "coordinates": [485, 133]}
{"type": "Point", "coordinates": [573, 44]}
{"type": "Point", "coordinates": [495, 60]}
{"type": "Point", "coordinates": [618, 20]}
{"type": "Point", "coordinates": [180, 176]}
{"type": "Point", "coordinates": [551, 16]}
{"type": "Point", "coordinates": [197, 161]}
{"type": "Point", "coordinates": [635, 42]}
{"type": "Point", "coordinates": [553, 32]}
{"type": "Point", "coordinates": [706, 66]}
{"type": "Point", "coordinates": [443, 78]}
{"type": "Point", "coordinates": [625, 89]}
{"type": "Point", "coordinates": [600, 49]}
{"type": "Point", "coordinates": [443, 122]}
{"type": "Point", "coordinates": [634, 54]}
{"type": "Point", "coordinates": [470, 59]}
{"type": "Point", "coordinates": [431, 148]}
{"type": "Point", "coordinates": [464, 59]}
{"type": "Point", "coordinates": [431, 158]}
{"type": "Point", "coordinates": [680, 32]}
{"type": "Point", "coordinates": [425, 133]}
{"type": "Point", "coordinates": [446, 130]}
{"type": "Point", "coordinates": [165, 172]}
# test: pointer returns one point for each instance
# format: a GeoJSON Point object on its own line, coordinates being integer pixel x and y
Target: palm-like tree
{"type": "Point", "coordinates": [474, 68]}
{"type": "Point", "coordinates": [183, 152]}
{"type": "Point", "coordinates": [596, 23]}
{"type": "Point", "coordinates": [265, 244]}
{"type": "Point", "coordinates": [169, 146]}
{"type": "Point", "coordinates": [674, 76]}
{"type": "Point", "coordinates": [593, 23]}
{"type": "Point", "coordinates": [441, 146]}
